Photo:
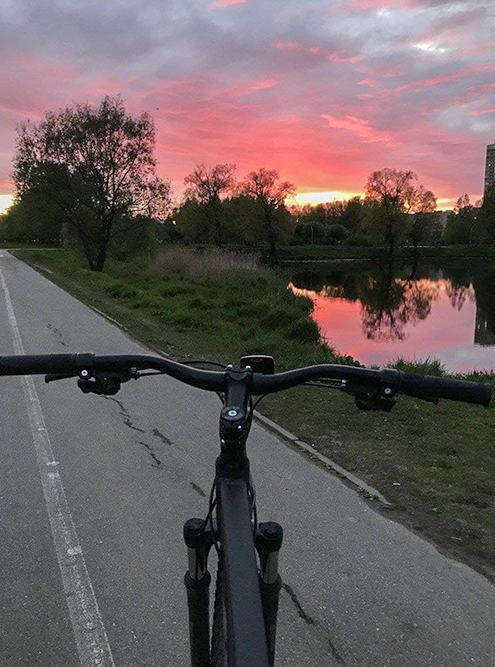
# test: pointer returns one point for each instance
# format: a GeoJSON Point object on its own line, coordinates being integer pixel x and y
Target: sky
{"type": "Point", "coordinates": [325, 92]}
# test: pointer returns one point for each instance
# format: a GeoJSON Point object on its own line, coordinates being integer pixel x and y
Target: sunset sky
{"type": "Point", "coordinates": [325, 92]}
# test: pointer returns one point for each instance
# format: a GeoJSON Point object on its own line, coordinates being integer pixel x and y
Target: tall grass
{"type": "Point", "coordinates": [205, 263]}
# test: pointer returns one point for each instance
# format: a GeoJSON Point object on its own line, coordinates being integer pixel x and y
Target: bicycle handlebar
{"type": "Point", "coordinates": [420, 386]}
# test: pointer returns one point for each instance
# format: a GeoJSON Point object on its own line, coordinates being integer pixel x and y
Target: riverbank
{"type": "Point", "coordinates": [323, 253]}
{"type": "Point", "coordinates": [434, 464]}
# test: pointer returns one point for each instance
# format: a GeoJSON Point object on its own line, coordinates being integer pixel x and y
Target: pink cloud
{"type": "Point", "coordinates": [430, 82]}
{"type": "Point", "coordinates": [481, 112]}
{"type": "Point", "coordinates": [359, 126]}
{"type": "Point", "coordinates": [317, 51]}
{"type": "Point", "coordinates": [226, 3]}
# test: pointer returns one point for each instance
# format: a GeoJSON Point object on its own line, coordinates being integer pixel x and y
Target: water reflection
{"type": "Point", "coordinates": [436, 307]}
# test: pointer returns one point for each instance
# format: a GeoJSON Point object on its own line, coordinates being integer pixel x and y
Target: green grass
{"type": "Point", "coordinates": [436, 464]}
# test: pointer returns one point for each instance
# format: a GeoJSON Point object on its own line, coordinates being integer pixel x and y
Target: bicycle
{"type": "Point", "coordinates": [248, 582]}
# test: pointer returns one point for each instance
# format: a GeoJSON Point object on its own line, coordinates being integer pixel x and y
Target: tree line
{"type": "Point", "coordinates": [85, 178]}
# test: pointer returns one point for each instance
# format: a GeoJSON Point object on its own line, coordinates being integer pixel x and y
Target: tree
{"type": "Point", "coordinates": [270, 193]}
{"type": "Point", "coordinates": [33, 220]}
{"type": "Point", "coordinates": [396, 195]}
{"type": "Point", "coordinates": [97, 165]}
{"type": "Point", "coordinates": [462, 226]}
{"type": "Point", "coordinates": [205, 185]}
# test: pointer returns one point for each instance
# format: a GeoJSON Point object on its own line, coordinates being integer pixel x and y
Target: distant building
{"type": "Point", "coordinates": [443, 217]}
{"type": "Point", "coordinates": [490, 167]}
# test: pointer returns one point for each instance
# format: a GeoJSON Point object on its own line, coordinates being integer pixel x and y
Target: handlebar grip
{"type": "Point", "coordinates": [438, 387]}
{"type": "Point", "coordinates": [39, 364]}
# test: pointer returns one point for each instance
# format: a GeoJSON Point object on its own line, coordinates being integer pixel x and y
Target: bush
{"type": "Point", "coordinates": [336, 234]}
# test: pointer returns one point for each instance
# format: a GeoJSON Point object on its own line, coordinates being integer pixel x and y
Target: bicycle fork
{"type": "Point", "coordinates": [199, 540]}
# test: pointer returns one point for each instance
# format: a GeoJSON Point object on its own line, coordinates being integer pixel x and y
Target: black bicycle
{"type": "Point", "coordinates": [248, 583]}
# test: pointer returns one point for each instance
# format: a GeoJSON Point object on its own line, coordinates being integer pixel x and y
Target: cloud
{"type": "Point", "coordinates": [323, 91]}
{"type": "Point", "coordinates": [358, 126]}
{"type": "Point", "coordinates": [226, 3]}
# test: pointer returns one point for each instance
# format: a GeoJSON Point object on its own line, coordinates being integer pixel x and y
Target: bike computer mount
{"type": "Point", "coordinates": [259, 363]}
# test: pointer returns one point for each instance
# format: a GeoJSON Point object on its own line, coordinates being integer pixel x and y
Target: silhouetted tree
{"type": "Point", "coordinates": [265, 187]}
{"type": "Point", "coordinates": [462, 225]}
{"type": "Point", "coordinates": [206, 185]}
{"type": "Point", "coordinates": [32, 219]}
{"type": "Point", "coordinates": [396, 196]}
{"type": "Point", "coordinates": [97, 165]}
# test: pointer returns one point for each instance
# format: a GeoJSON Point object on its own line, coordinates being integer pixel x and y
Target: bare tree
{"type": "Point", "coordinates": [264, 186]}
{"type": "Point", "coordinates": [420, 200]}
{"type": "Point", "coordinates": [206, 184]}
{"type": "Point", "coordinates": [97, 165]}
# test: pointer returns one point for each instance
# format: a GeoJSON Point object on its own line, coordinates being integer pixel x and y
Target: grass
{"type": "Point", "coordinates": [328, 252]}
{"type": "Point", "coordinates": [436, 464]}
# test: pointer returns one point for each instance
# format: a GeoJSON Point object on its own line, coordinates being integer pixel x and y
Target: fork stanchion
{"type": "Point", "coordinates": [197, 582]}
{"type": "Point", "coordinates": [268, 543]}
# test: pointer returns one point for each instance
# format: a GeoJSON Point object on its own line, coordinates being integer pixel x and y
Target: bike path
{"type": "Point", "coordinates": [361, 589]}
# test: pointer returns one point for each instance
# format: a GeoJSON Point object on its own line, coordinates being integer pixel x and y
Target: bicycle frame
{"type": "Point", "coordinates": [246, 636]}
{"type": "Point", "coordinates": [251, 596]}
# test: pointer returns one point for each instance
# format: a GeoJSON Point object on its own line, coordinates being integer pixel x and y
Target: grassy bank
{"type": "Point", "coordinates": [328, 252]}
{"type": "Point", "coordinates": [435, 464]}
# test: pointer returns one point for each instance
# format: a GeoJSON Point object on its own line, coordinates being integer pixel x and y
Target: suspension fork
{"type": "Point", "coordinates": [268, 543]}
{"type": "Point", "coordinates": [199, 540]}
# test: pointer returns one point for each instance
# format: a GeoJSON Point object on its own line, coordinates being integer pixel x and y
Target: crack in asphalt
{"type": "Point", "coordinates": [300, 611]}
{"type": "Point", "coordinates": [310, 621]}
{"type": "Point", "coordinates": [198, 489]}
{"type": "Point", "coordinates": [157, 463]}
{"type": "Point", "coordinates": [124, 413]}
{"type": "Point", "coordinates": [127, 421]}
{"type": "Point", "coordinates": [58, 333]}
{"type": "Point", "coordinates": [158, 434]}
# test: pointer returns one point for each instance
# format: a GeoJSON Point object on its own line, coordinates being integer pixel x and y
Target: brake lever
{"type": "Point", "coordinates": [428, 399]}
{"type": "Point", "coordinates": [52, 377]}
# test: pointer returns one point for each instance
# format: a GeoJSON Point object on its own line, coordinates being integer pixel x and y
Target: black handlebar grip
{"type": "Point", "coordinates": [40, 364]}
{"type": "Point", "coordinates": [437, 387]}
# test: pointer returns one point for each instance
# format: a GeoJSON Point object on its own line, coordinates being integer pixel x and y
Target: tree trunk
{"type": "Point", "coordinates": [100, 258]}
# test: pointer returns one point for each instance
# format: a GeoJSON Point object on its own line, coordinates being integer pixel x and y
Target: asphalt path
{"type": "Point", "coordinates": [361, 590]}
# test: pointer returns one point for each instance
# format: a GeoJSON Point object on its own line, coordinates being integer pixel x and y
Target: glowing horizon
{"type": "Point", "coordinates": [5, 202]}
{"type": "Point", "coordinates": [325, 93]}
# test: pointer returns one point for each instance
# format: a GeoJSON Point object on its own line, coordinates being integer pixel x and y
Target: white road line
{"type": "Point", "coordinates": [91, 638]}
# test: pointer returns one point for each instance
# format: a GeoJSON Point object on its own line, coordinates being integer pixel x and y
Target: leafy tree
{"type": "Point", "coordinates": [310, 232]}
{"type": "Point", "coordinates": [265, 188]}
{"type": "Point", "coordinates": [396, 196]}
{"type": "Point", "coordinates": [97, 165]}
{"type": "Point", "coordinates": [31, 219]}
{"type": "Point", "coordinates": [462, 225]}
{"type": "Point", "coordinates": [205, 185]}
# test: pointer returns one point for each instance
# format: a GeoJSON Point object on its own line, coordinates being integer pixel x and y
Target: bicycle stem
{"type": "Point", "coordinates": [234, 424]}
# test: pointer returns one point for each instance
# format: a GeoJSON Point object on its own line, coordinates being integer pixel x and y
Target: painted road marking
{"type": "Point", "coordinates": [91, 637]}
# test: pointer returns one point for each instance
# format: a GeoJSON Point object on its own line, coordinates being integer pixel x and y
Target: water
{"type": "Point", "coordinates": [377, 312]}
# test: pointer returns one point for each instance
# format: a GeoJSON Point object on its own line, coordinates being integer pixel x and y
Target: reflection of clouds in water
{"type": "Point", "coordinates": [437, 320]}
